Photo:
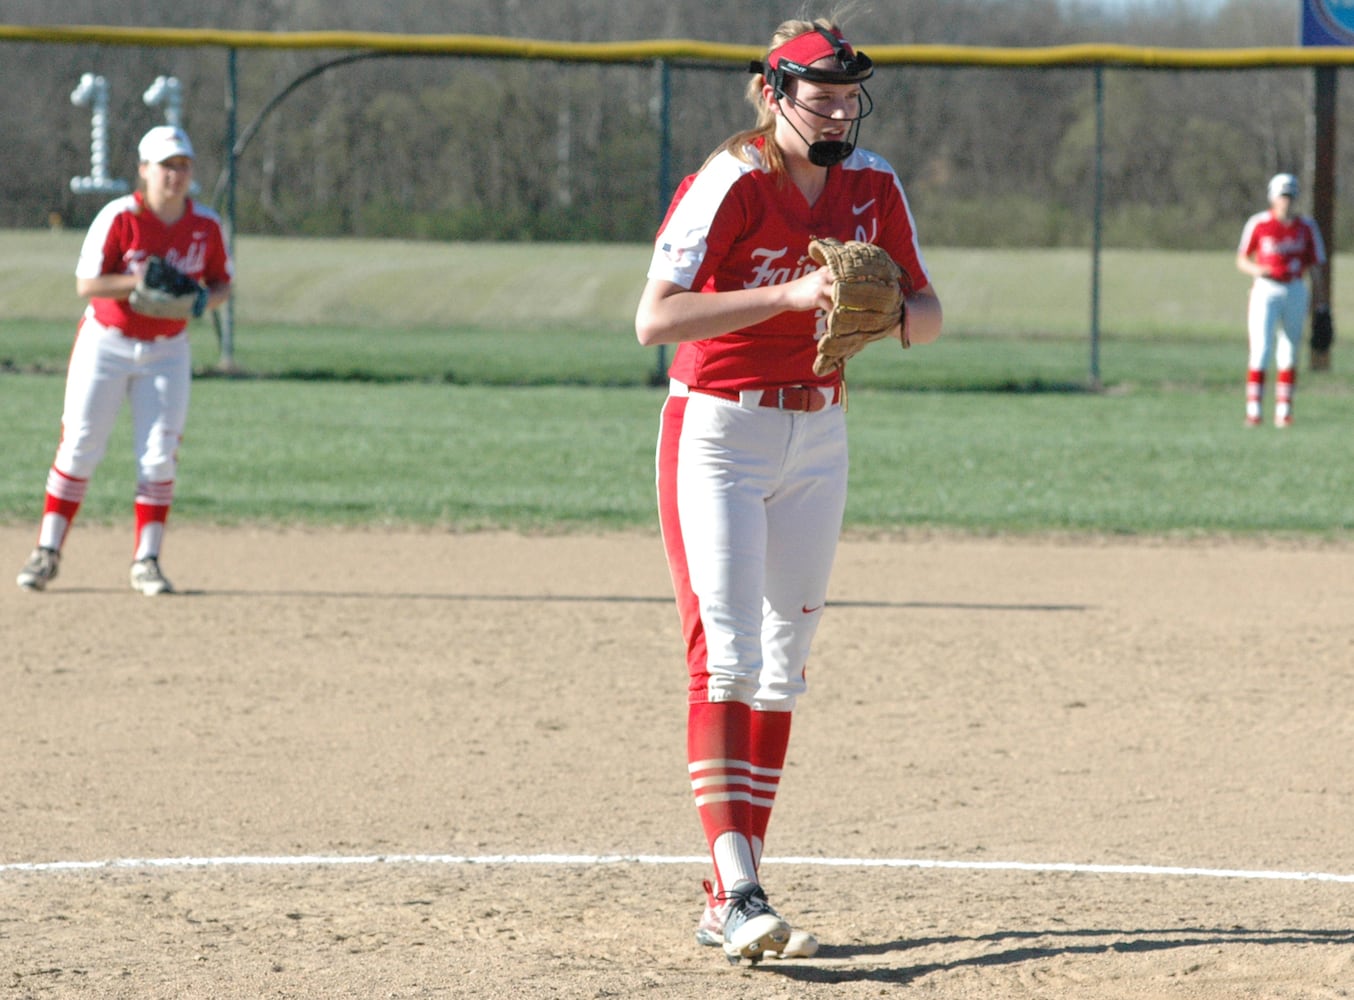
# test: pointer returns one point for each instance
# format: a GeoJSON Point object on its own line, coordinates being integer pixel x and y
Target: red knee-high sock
{"type": "Point", "coordinates": [1255, 392]}
{"type": "Point", "coordinates": [1284, 386]}
{"type": "Point", "coordinates": [64, 496]}
{"type": "Point", "coordinates": [152, 510]}
{"type": "Point", "coordinates": [719, 765]}
{"type": "Point", "coordinates": [770, 738]}
{"type": "Point", "coordinates": [61, 508]}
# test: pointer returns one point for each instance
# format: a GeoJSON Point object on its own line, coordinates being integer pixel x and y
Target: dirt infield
{"type": "Point", "coordinates": [291, 774]}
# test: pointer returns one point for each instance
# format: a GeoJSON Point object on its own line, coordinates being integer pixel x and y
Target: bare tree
{"type": "Point", "coordinates": [456, 147]}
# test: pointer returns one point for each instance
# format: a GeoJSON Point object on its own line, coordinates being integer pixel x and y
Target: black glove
{"type": "Point", "coordinates": [1323, 329]}
{"type": "Point", "coordinates": [166, 292]}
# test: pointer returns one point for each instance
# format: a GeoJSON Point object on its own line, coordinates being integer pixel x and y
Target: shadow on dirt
{"type": "Point", "coordinates": [1041, 946]}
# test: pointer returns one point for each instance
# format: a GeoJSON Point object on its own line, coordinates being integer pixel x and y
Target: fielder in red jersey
{"type": "Point", "coordinates": [1278, 248]}
{"type": "Point", "coordinates": [120, 354]}
{"type": "Point", "coordinates": [752, 450]}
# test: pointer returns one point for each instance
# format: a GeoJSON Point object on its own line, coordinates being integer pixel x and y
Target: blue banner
{"type": "Point", "coordinates": [1328, 22]}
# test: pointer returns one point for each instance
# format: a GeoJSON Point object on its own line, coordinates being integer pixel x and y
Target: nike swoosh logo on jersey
{"type": "Point", "coordinates": [858, 209]}
{"type": "Point", "coordinates": [808, 610]}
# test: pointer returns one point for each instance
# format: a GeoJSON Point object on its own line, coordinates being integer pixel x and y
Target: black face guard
{"type": "Point", "coordinates": [856, 67]}
{"type": "Point", "coordinates": [829, 153]}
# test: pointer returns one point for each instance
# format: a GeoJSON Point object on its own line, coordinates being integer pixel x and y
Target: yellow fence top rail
{"type": "Point", "coordinates": [679, 49]}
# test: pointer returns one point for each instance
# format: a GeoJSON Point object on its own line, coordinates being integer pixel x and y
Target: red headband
{"type": "Point", "coordinates": [807, 49]}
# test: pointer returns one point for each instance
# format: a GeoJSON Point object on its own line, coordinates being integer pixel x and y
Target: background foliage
{"type": "Point", "coordinates": [436, 378]}
{"type": "Point", "coordinates": [455, 148]}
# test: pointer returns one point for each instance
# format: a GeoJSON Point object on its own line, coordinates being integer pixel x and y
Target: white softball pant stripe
{"type": "Point", "coordinates": [1276, 305]}
{"type": "Point", "coordinates": [751, 503]}
{"type": "Point", "coordinates": [106, 368]}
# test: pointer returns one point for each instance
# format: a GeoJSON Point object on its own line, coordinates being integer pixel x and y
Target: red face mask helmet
{"type": "Point", "coordinates": [795, 59]}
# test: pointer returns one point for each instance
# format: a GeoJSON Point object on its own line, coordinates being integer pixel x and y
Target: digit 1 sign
{"type": "Point", "coordinates": [93, 94]}
{"type": "Point", "coordinates": [168, 92]}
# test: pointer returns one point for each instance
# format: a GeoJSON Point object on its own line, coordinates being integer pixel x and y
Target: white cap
{"type": "Point", "coordinates": [163, 142]}
{"type": "Point", "coordinates": [1281, 184]}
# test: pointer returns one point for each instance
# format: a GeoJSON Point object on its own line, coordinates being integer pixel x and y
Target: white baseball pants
{"type": "Point", "coordinates": [751, 501]}
{"type": "Point", "coordinates": [1276, 306]}
{"type": "Point", "coordinates": [107, 368]}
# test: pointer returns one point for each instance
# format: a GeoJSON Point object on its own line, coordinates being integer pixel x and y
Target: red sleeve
{"type": "Point", "coordinates": [682, 188]}
{"type": "Point", "coordinates": [1310, 256]}
{"type": "Point", "coordinates": [727, 226]}
{"type": "Point", "coordinates": [902, 242]}
{"type": "Point", "coordinates": [218, 270]}
{"type": "Point", "coordinates": [121, 238]}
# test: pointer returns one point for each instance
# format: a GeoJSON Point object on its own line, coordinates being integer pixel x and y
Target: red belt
{"type": "Point", "coordinates": [150, 340]}
{"type": "Point", "coordinates": [124, 334]}
{"type": "Point", "coordinates": [799, 398]}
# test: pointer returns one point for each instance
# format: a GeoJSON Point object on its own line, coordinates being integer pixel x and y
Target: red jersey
{"type": "Point", "coordinates": [733, 225]}
{"type": "Point", "coordinates": [1284, 249]}
{"type": "Point", "coordinates": [126, 231]}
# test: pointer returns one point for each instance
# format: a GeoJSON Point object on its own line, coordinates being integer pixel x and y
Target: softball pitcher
{"type": "Point", "coordinates": [1278, 247]}
{"type": "Point", "coordinates": [752, 450]}
{"type": "Point", "coordinates": [122, 352]}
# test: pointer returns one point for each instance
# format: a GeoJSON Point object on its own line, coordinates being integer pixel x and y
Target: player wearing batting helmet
{"type": "Point", "coordinates": [752, 451]}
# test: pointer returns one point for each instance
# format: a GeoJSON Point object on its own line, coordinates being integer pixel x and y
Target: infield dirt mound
{"type": "Point", "coordinates": [344, 694]}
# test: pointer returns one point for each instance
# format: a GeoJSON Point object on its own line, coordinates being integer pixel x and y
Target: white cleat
{"type": "Point", "coordinates": [147, 579]}
{"type": "Point", "coordinates": [41, 569]}
{"type": "Point", "coordinates": [750, 928]}
{"type": "Point", "coordinates": [710, 932]}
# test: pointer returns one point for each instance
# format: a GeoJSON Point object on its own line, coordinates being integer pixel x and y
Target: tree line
{"type": "Point", "coordinates": [460, 148]}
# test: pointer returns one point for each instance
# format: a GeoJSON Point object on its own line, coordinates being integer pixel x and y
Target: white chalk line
{"type": "Point", "coordinates": [320, 860]}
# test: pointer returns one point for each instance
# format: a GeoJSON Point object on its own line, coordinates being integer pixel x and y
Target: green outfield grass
{"type": "Point", "coordinates": [541, 354]}
{"type": "Point", "coordinates": [1148, 461]}
{"type": "Point", "coordinates": [392, 284]}
{"type": "Point", "coordinates": [476, 386]}
{"type": "Point", "coordinates": [541, 314]}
